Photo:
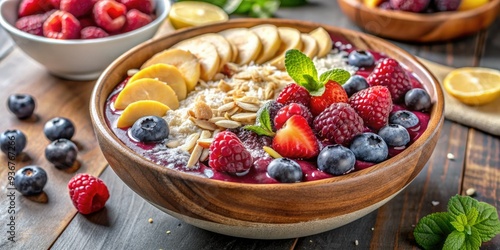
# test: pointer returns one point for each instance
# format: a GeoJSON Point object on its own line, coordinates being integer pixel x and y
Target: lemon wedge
{"type": "Point", "coordinates": [190, 13]}
{"type": "Point", "coordinates": [471, 4]}
{"type": "Point", "coordinates": [473, 86]}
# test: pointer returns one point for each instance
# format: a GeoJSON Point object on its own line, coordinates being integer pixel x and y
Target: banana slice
{"type": "Point", "coordinates": [270, 39]}
{"type": "Point", "coordinates": [147, 89]}
{"type": "Point", "coordinates": [186, 63]}
{"type": "Point", "coordinates": [221, 44]}
{"type": "Point", "coordinates": [247, 42]}
{"type": "Point", "coordinates": [206, 53]}
{"type": "Point", "coordinates": [166, 73]}
{"type": "Point", "coordinates": [309, 45]}
{"type": "Point", "coordinates": [290, 39]}
{"type": "Point", "coordinates": [139, 109]}
{"type": "Point", "coordinates": [324, 41]}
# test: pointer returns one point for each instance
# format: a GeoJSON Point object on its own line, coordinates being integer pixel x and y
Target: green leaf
{"type": "Point", "coordinates": [459, 222]}
{"type": "Point", "coordinates": [313, 86]}
{"type": "Point", "coordinates": [299, 65]}
{"type": "Point", "coordinates": [461, 204]}
{"type": "Point", "coordinates": [432, 230]}
{"type": "Point", "coordinates": [259, 130]}
{"type": "Point", "coordinates": [264, 126]}
{"type": "Point", "coordinates": [337, 75]}
{"type": "Point", "coordinates": [454, 241]}
{"type": "Point", "coordinates": [472, 216]}
{"type": "Point", "coordinates": [487, 223]}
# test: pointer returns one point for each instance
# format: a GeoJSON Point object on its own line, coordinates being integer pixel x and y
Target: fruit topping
{"type": "Point", "coordinates": [290, 39]}
{"type": "Point", "coordinates": [138, 109]}
{"type": "Point", "coordinates": [110, 15]}
{"type": "Point", "coordinates": [207, 55]}
{"type": "Point", "coordinates": [369, 147]}
{"type": "Point", "coordinates": [61, 25]}
{"type": "Point", "coordinates": [91, 32]}
{"type": "Point", "coordinates": [150, 129]}
{"type": "Point", "coordinates": [336, 159]}
{"type": "Point", "coordinates": [88, 193]}
{"type": "Point", "coordinates": [418, 99]}
{"type": "Point", "coordinates": [62, 153]}
{"type": "Point", "coordinates": [389, 73]}
{"type": "Point", "coordinates": [333, 93]}
{"type": "Point", "coordinates": [166, 73]}
{"type": "Point", "coordinates": [270, 39]}
{"type": "Point", "coordinates": [293, 93]}
{"type": "Point", "coordinates": [410, 5]}
{"type": "Point", "coordinates": [59, 127]}
{"type": "Point", "coordinates": [338, 124]}
{"type": "Point", "coordinates": [324, 41]}
{"type": "Point", "coordinates": [291, 110]}
{"type": "Point", "coordinates": [30, 180]}
{"type": "Point", "coordinates": [247, 43]}
{"type": "Point", "coordinates": [228, 154]}
{"type": "Point", "coordinates": [285, 170]}
{"type": "Point", "coordinates": [272, 107]}
{"type": "Point", "coordinates": [361, 58]}
{"type": "Point", "coordinates": [309, 45]}
{"type": "Point", "coordinates": [447, 5]}
{"type": "Point", "coordinates": [296, 139]}
{"type": "Point", "coordinates": [354, 84]}
{"type": "Point", "coordinates": [404, 118]}
{"type": "Point", "coordinates": [12, 142]}
{"type": "Point", "coordinates": [21, 105]}
{"type": "Point", "coordinates": [135, 19]}
{"type": "Point", "coordinates": [373, 105]}
{"type": "Point", "coordinates": [147, 89]}
{"type": "Point", "coordinates": [394, 135]}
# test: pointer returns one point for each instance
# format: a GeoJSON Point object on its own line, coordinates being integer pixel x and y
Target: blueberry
{"type": "Point", "coordinates": [418, 99]}
{"type": "Point", "coordinates": [272, 108]}
{"type": "Point", "coordinates": [12, 142]}
{"type": "Point", "coordinates": [336, 160]}
{"type": "Point", "coordinates": [361, 58]}
{"type": "Point", "coordinates": [150, 129]}
{"type": "Point", "coordinates": [21, 105]}
{"type": "Point", "coordinates": [59, 127]}
{"type": "Point", "coordinates": [355, 84]}
{"type": "Point", "coordinates": [285, 170]}
{"type": "Point", "coordinates": [369, 147]}
{"type": "Point", "coordinates": [30, 180]}
{"type": "Point", "coordinates": [404, 118]}
{"type": "Point", "coordinates": [394, 135]}
{"type": "Point", "coordinates": [62, 153]}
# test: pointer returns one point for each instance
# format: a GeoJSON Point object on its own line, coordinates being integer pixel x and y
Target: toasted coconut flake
{"type": "Point", "coordinates": [224, 86]}
{"type": "Point", "coordinates": [202, 111]}
{"type": "Point", "coordinates": [228, 124]}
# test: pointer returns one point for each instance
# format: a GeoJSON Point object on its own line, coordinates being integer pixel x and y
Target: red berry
{"type": "Point", "coordinates": [86, 21]}
{"type": "Point", "coordinates": [389, 73]}
{"type": "Point", "coordinates": [338, 124]}
{"type": "Point", "coordinates": [288, 111]}
{"type": "Point", "coordinates": [296, 139]}
{"type": "Point", "coordinates": [61, 25]}
{"type": "Point", "coordinates": [30, 7]}
{"type": "Point", "coordinates": [410, 5]}
{"type": "Point", "coordinates": [110, 15]}
{"type": "Point", "coordinates": [88, 193]}
{"type": "Point", "coordinates": [333, 93]}
{"type": "Point", "coordinates": [32, 24]}
{"type": "Point", "coordinates": [374, 105]}
{"type": "Point", "coordinates": [55, 3]}
{"type": "Point", "coordinates": [294, 93]}
{"type": "Point", "coordinates": [228, 154]}
{"type": "Point", "coordinates": [144, 6]}
{"type": "Point", "coordinates": [92, 32]}
{"type": "Point", "coordinates": [77, 7]}
{"type": "Point", "coordinates": [135, 20]}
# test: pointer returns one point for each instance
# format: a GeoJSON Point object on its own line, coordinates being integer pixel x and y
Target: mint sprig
{"type": "Point", "coordinates": [264, 126]}
{"type": "Point", "coordinates": [302, 70]}
{"type": "Point", "coordinates": [466, 225]}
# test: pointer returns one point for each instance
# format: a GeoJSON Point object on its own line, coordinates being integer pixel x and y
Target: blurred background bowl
{"type": "Point", "coordinates": [77, 59]}
{"type": "Point", "coordinates": [420, 27]}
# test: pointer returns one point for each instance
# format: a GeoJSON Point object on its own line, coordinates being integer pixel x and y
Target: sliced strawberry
{"type": "Point", "coordinates": [333, 93]}
{"type": "Point", "coordinates": [110, 15]}
{"type": "Point", "coordinates": [296, 139]}
{"type": "Point", "coordinates": [61, 25]}
{"type": "Point", "coordinates": [30, 7]}
{"type": "Point", "coordinates": [144, 6]}
{"type": "Point", "coordinates": [135, 20]}
{"type": "Point", "coordinates": [77, 7]}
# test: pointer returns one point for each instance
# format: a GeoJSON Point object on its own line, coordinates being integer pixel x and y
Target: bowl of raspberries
{"type": "Point", "coordinates": [78, 39]}
{"type": "Point", "coordinates": [421, 20]}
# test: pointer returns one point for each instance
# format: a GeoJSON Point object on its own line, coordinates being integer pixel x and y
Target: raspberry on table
{"type": "Point", "coordinates": [228, 154]}
{"type": "Point", "coordinates": [88, 193]}
{"type": "Point", "coordinates": [338, 124]}
{"type": "Point", "coordinates": [373, 105]}
{"type": "Point", "coordinates": [294, 93]}
{"type": "Point", "coordinates": [389, 73]}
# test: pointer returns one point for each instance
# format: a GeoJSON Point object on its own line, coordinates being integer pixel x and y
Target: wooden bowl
{"type": "Point", "coordinates": [416, 27]}
{"type": "Point", "coordinates": [264, 211]}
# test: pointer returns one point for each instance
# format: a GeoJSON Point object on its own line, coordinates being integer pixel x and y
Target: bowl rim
{"type": "Point", "coordinates": [41, 39]}
{"type": "Point", "coordinates": [429, 17]}
{"type": "Point", "coordinates": [101, 127]}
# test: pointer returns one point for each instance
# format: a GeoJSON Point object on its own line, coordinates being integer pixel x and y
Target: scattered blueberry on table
{"type": "Point", "coordinates": [30, 180]}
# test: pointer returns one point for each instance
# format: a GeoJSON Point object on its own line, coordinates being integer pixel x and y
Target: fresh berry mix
{"type": "Point", "coordinates": [88, 193]}
{"type": "Point", "coordinates": [30, 180]}
{"type": "Point", "coordinates": [326, 121]}
{"type": "Point", "coordinates": [59, 127]}
{"type": "Point", "coordinates": [62, 153]}
{"type": "Point", "coordinates": [420, 6]}
{"type": "Point", "coordinates": [12, 142]}
{"type": "Point", "coordinates": [83, 19]}
{"type": "Point", "coordinates": [21, 105]}
{"type": "Point", "coordinates": [410, 5]}
{"type": "Point", "coordinates": [149, 129]}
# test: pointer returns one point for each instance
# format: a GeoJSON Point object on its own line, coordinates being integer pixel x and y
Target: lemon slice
{"type": "Point", "coordinates": [473, 86]}
{"type": "Point", "coordinates": [190, 13]}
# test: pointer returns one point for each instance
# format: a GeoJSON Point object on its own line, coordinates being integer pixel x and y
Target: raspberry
{"type": "Point", "coordinates": [373, 105]}
{"type": "Point", "coordinates": [55, 3]}
{"type": "Point", "coordinates": [389, 73]}
{"type": "Point", "coordinates": [290, 110]}
{"type": "Point", "coordinates": [32, 24]}
{"type": "Point", "coordinates": [144, 6]}
{"type": "Point", "coordinates": [88, 193]}
{"type": "Point", "coordinates": [338, 124]}
{"type": "Point", "coordinates": [110, 15]}
{"type": "Point", "coordinates": [30, 7]}
{"type": "Point", "coordinates": [333, 93]}
{"type": "Point", "coordinates": [77, 7]}
{"type": "Point", "coordinates": [61, 25]}
{"type": "Point", "coordinates": [251, 140]}
{"type": "Point", "coordinates": [410, 5]}
{"type": "Point", "coordinates": [447, 5]}
{"type": "Point", "coordinates": [135, 20]}
{"type": "Point", "coordinates": [92, 32]}
{"type": "Point", "coordinates": [228, 154]}
{"type": "Point", "coordinates": [294, 93]}
{"type": "Point", "coordinates": [86, 21]}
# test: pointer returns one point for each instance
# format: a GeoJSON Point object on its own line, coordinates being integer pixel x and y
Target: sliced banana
{"type": "Point", "coordinates": [270, 39]}
{"type": "Point", "coordinates": [247, 42]}
{"type": "Point", "coordinates": [324, 41]}
{"type": "Point", "coordinates": [221, 44]}
{"type": "Point", "coordinates": [206, 53]}
{"type": "Point", "coordinates": [290, 39]}
{"type": "Point", "coordinates": [309, 45]}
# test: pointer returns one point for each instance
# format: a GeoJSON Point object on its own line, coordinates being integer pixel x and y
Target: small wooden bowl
{"type": "Point", "coordinates": [416, 27]}
{"type": "Point", "coordinates": [264, 211]}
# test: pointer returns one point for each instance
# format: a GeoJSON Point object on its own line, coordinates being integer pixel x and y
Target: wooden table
{"type": "Point", "coordinates": [124, 223]}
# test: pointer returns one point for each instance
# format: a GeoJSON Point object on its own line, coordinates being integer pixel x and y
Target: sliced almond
{"type": "Point", "coordinates": [202, 111]}
{"type": "Point", "coordinates": [228, 124]}
{"type": "Point", "coordinates": [204, 154]}
{"type": "Point", "coordinates": [244, 117]}
{"type": "Point", "coordinates": [190, 141]}
{"type": "Point", "coordinates": [231, 112]}
{"type": "Point", "coordinates": [224, 86]}
{"type": "Point", "coordinates": [250, 99]}
{"type": "Point", "coordinates": [205, 143]}
{"type": "Point", "coordinates": [197, 150]}
{"type": "Point", "coordinates": [248, 106]}
{"type": "Point", "coordinates": [173, 143]}
{"type": "Point", "coordinates": [216, 119]}
{"type": "Point", "coordinates": [226, 107]}
{"type": "Point", "coordinates": [203, 124]}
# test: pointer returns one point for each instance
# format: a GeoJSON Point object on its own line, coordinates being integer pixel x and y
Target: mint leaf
{"type": "Point", "coordinates": [337, 75]}
{"type": "Point", "coordinates": [461, 204]}
{"type": "Point", "coordinates": [298, 65]}
{"type": "Point", "coordinates": [454, 241]}
{"type": "Point", "coordinates": [264, 126]}
{"type": "Point", "coordinates": [460, 222]}
{"type": "Point", "coordinates": [313, 86]}
{"type": "Point", "coordinates": [487, 223]}
{"type": "Point", "coordinates": [432, 230]}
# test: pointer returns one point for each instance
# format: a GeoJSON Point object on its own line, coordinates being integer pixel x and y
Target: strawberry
{"type": "Point", "coordinates": [30, 7]}
{"type": "Point", "coordinates": [61, 25]}
{"type": "Point", "coordinates": [228, 154]}
{"type": "Point", "coordinates": [135, 20]}
{"type": "Point", "coordinates": [333, 93]}
{"type": "Point", "coordinates": [338, 124]}
{"type": "Point", "coordinates": [290, 110]}
{"type": "Point", "coordinates": [293, 93]}
{"type": "Point", "coordinates": [144, 6]}
{"type": "Point", "coordinates": [296, 139]}
{"type": "Point", "coordinates": [110, 15]}
{"type": "Point", "coordinates": [77, 7]}
{"type": "Point", "coordinates": [374, 105]}
{"type": "Point", "coordinates": [389, 73]}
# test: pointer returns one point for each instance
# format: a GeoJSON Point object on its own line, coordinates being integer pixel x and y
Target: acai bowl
{"type": "Point", "coordinates": [236, 200]}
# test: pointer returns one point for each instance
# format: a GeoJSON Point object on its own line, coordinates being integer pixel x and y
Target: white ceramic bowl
{"type": "Point", "coordinates": [77, 59]}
